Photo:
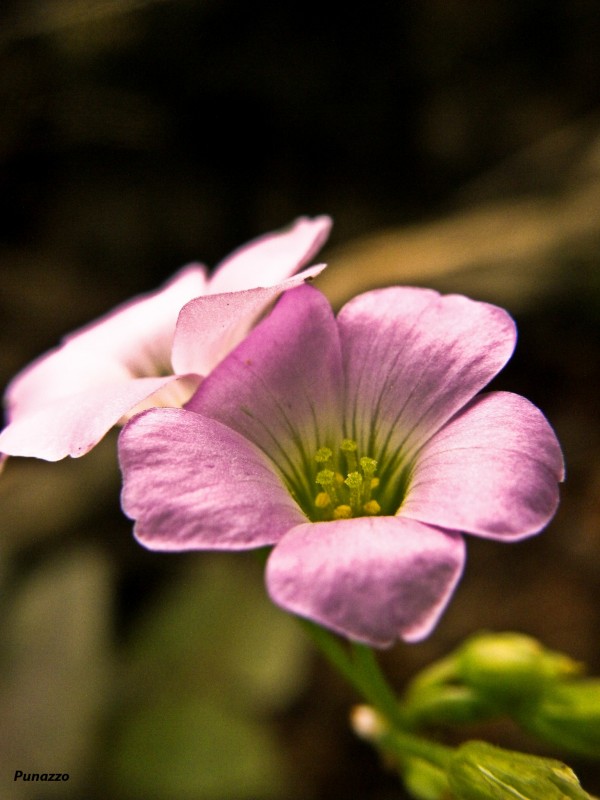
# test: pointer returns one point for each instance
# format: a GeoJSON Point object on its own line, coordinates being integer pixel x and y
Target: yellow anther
{"type": "Point", "coordinates": [339, 478]}
{"type": "Point", "coordinates": [342, 512]}
{"type": "Point", "coordinates": [322, 500]}
{"type": "Point", "coordinates": [372, 508]}
{"type": "Point", "coordinates": [374, 483]}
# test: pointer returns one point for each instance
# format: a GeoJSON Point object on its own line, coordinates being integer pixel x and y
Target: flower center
{"type": "Point", "coordinates": [347, 484]}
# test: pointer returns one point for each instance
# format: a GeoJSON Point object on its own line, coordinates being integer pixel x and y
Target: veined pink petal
{"type": "Point", "coordinates": [210, 327]}
{"type": "Point", "coordinates": [412, 359]}
{"type": "Point", "coordinates": [271, 258]}
{"type": "Point", "coordinates": [371, 579]}
{"type": "Point", "coordinates": [192, 483]}
{"type": "Point", "coordinates": [492, 471]}
{"type": "Point", "coordinates": [71, 426]}
{"type": "Point", "coordinates": [281, 387]}
{"type": "Point", "coordinates": [133, 341]}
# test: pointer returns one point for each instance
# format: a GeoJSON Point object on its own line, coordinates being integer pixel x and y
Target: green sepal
{"type": "Point", "coordinates": [568, 715]}
{"type": "Point", "coordinates": [481, 771]}
{"type": "Point", "coordinates": [446, 704]}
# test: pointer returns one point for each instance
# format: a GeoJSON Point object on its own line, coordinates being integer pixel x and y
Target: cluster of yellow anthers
{"type": "Point", "coordinates": [345, 497]}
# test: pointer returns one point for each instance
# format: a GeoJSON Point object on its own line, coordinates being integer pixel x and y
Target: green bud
{"type": "Point", "coordinates": [508, 667]}
{"type": "Point", "coordinates": [480, 771]}
{"type": "Point", "coordinates": [568, 715]}
{"type": "Point", "coordinates": [445, 704]}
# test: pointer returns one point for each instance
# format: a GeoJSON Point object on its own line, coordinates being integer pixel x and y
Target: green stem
{"type": "Point", "coordinates": [361, 669]}
{"type": "Point", "coordinates": [334, 652]}
{"type": "Point", "coordinates": [401, 745]}
{"type": "Point", "coordinates": [380, 694]}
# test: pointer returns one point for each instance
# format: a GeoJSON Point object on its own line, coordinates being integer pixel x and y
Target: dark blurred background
{"type": "Point", "coordinates": [456, 145]}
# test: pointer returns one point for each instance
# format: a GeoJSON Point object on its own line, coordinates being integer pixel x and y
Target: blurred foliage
{"type": "Point", "coordinates": [57, 667]}
{"type": "Point", "coordinates": [456, 145]}
{"type": "Point", "coordinates": [200, 634]}
{"type": "Point", "coordinates": [204, 673]}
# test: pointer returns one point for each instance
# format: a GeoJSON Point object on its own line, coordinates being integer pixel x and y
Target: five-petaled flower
{"type": "Point", "coordinates": [153, 350]}
{"type": "Point", "coordinates": [359, 448]}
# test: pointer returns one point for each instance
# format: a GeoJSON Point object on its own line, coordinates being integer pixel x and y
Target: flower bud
{"type": "Point", "coordinates": [445, 704]}
{"type": "Point", "coordinates": [480, 771]}
{"type": "Point", "coordinates": [511, 666]}
{"type": "Point", "coordinates": [568, 715]}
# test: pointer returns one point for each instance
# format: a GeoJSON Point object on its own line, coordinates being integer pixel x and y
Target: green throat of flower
{"type": "Point", "coordinates": [347, 482]}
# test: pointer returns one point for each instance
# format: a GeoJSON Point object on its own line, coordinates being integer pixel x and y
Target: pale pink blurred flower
{"type": "Point", "coordinates": [152, 350]}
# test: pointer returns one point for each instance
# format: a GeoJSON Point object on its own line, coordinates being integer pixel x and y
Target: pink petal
{"type": "Point", "coordinates": [271, 258]}
{"type": "Point", "coordinates": [210, 327]}
{"type": "Point", "coordinates": [493, 471]}
{"type": "Point", "coordinates": [193, 484]}
{"type": "Point", "coordinates": [133, 341]}
{"type": "Point", "coordinates": [71, 426]}
{"type": "Point", "coordinates": [413, 358]}
{"type": "Point", "coordinates": [281, 387]}
{"type": "Point", "coordinates": [370, 579]}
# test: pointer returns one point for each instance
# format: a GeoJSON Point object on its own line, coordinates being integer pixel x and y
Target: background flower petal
{"type": "Point", "coordinates": [133, 341]}
{"type": "Point", "coordinates": [71, 426]}
{"type": "Point", "coordinates": [493, 470]}
{"type": "Point", "coordinates": [281, 387]}
{"type": "Point", "coordinates": [372, 580]}
{"type": "Point", "coordinates": [271, 258]}
{"type": "Point", "coordinates": [413, 358]}
{"type": "Point", "coordinates": [209, 327]}
{"type": "Point", "coordinates": [191, 483]}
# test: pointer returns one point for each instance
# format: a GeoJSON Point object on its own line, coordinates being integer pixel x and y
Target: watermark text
{"type": "Point", "coordinates": [40, 776]}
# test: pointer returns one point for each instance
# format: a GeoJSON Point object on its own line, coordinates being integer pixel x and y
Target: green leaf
{"type": "Point", "coordinates": [192, 748]}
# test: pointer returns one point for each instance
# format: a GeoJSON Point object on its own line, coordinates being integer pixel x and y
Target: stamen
{"type": "Point", "coordinates": [368, 466]}
{"type": "Point", "coordinates": [354, 482]}
{"type": "Point", "coordinates": [323, 456]}
{"type": "Point", "coordinates": [326, 480]}
{"type": "Point", "coordinates": [344, 497]}
{"type": "Point", "coordinates": [349, 448]}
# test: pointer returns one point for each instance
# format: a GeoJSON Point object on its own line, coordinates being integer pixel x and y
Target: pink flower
{"type": "Point", "coordinates": [152, 350]}
{"type": "Point", "coordinates": [359, 448]}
